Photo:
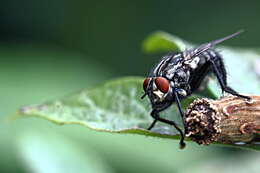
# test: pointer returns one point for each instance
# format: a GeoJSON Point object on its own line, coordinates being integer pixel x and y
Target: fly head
{"type": "Point", "coordinates": [161, 91]}
{"type": "Point", "coordinates": [158, 89]}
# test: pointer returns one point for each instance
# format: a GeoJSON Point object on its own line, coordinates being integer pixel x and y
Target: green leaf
{"type": "Point", "coordinates": [114, 106]}
{"type": "Point", "coordinates": [160, 41]}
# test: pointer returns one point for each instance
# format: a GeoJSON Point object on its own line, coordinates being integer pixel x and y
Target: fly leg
{"type": "Point", "coordinates": [156, 116]}
{"type": "Point", "coordinates": [152, 125]}
{"type": "Point", "coordinates": [165, 106]}
{"type": "Point", "coordinates": [179, 108]}
{"type": "Point", "coordinates": [220, 71]}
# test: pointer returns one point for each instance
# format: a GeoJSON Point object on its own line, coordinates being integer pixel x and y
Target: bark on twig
{"type": "Point", "coordinates": [227, 120]}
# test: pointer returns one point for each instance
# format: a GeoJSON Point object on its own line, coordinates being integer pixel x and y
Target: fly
{"type": "Point", "coordinates": [179, 74]}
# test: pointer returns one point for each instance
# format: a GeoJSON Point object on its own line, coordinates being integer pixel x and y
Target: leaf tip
{"type": "Point", "coordinates": [160, 41]}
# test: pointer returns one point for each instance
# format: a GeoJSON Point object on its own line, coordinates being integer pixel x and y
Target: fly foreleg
{"type": "Point", "coordinates": [156, 116]}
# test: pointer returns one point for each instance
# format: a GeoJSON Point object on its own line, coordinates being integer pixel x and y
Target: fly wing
{"type": "Point", "coordinates": [198, 50]}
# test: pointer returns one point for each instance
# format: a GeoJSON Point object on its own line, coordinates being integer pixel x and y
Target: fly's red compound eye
{"type": "Point", "coordinates": [162, 84]}
{"type": "Point", "coordinates": [146, 82]}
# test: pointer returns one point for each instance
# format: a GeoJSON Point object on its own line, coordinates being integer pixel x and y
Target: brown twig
{"type": "Point", "coordinates": [227, 120]}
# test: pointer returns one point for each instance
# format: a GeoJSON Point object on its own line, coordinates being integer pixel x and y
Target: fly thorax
{"type": "Point", "coordinates": [193, 62]}
{"type": "Point", "coordinates": [170, 71]}
{"type": "Point", "coordinates": [181, 77]}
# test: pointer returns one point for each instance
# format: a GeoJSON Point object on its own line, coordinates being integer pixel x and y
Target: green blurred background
{"type": "Point", "coordinates": [51, 48]}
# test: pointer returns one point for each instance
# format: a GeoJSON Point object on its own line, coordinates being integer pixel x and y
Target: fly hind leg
{"type": "Point", "coordinates": [221, 74]}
